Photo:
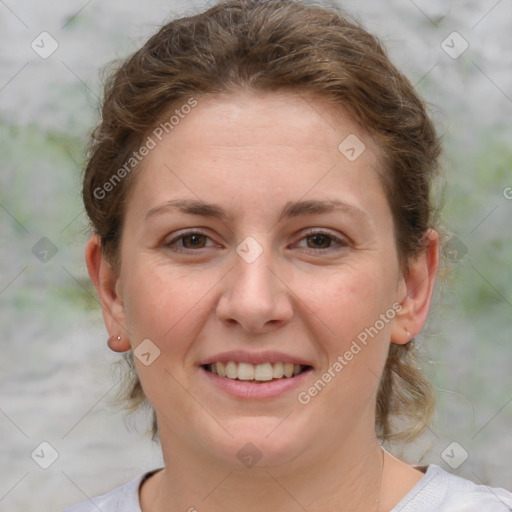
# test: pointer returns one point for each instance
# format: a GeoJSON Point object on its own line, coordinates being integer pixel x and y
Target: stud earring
{"type": "Point", "coordinates": [114, 343]}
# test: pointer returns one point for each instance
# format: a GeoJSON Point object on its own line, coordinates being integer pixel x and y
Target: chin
{"type": "Point", "coordinates": [260, 442]}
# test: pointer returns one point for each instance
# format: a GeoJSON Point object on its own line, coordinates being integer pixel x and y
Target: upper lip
{"type": "Point", "coordinates": [243, 356]}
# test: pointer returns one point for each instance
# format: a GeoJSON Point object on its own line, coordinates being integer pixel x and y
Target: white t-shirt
{"type": "Point", "coordinates": [437, 491]}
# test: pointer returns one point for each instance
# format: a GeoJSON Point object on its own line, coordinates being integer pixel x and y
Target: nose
{"type": "Point", "coordinates": [254, 295]}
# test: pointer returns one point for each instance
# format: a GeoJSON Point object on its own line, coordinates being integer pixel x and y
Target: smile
{"type": "Point", "coordinates": [255, 372]}
{"type": "Point", "coordinates": [255, 375]}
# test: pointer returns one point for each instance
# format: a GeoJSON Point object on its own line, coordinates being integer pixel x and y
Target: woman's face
{"type": "Point", "coordinates": [258, 232]}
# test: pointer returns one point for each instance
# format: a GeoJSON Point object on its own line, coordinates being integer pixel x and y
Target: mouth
{"type": "Point", "coordinates": [256, 373]}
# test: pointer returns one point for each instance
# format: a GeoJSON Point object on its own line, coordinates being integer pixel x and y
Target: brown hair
{"type": "Point", "coordinates": [269, 46]}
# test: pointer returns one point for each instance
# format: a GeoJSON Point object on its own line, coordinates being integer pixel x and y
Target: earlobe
{"type": "Point", "coordinates": [107, 285]}
{"type": "Point", "coordinates": [417, 288]}
{"type": "Point", "coordinates": [118, 344]}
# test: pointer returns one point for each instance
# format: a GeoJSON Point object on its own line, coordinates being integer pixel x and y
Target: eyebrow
{"type": "Point", "coordinates": [291, 209]}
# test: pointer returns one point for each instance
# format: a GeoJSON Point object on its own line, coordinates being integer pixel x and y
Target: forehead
{"type": "Point", "coordinates": [254, 148]}
{"type": "Point", "coordinates": [280, 118]}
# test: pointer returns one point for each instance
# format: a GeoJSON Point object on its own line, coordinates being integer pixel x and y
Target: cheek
{"type": "Point", "coordinates": [161, 302]}
{"type": "Point", "coordinates": [351, 306]}
{"type": "Point", "coordinates": [352, 301]}
{"type": "Point", "coordinates": [165, 307]}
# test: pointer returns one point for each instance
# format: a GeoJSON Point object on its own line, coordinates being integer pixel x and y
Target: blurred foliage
{"type": "Point", "coordinates": [478, 213]}
{"type": "Point", "coordinates": [41, 187]}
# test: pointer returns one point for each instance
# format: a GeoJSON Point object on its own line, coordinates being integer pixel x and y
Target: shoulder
{"type": "Point", "coordinates": [440, 491]}
{"type": "Point", "coordinates": [122, 499]}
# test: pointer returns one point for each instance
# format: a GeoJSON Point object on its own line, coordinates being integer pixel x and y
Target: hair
{"type": "Point", "coordinates": [287, 46]}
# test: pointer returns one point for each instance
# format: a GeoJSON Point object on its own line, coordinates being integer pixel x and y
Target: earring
{"type": "Point", "coordinates": [114, 343]}
{"type": "Point", "coordinates": [408, 335]}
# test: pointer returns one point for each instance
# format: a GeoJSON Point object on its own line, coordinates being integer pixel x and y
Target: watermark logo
{"type": "Point", "coordinates": [149, 144]}
{"type": "Point", "coordinates": [304, 397]}
{"type": "Point", "coordinates": [455, 249]}
{"type": "Point", "coordinates": [44, 45]}
{"type": "Point", "coordinates": [44, 250]}
{"type": "Point", "coordinates": [454, 455]}
{"type": "Point", "coordinates": [179, 114]}
{"type": "Point", "coordinates": [249, 455]}
{"type": "Point", "coordinates": [351, 147]}
{"type": "Point", "coordinates": [454, 45]}
{"type": "Point", "coordinates": [147, 352]}
{"type": "Point", "coordinates": [44, 455]}
{"type": "Point", "coordinates": [249, 249]}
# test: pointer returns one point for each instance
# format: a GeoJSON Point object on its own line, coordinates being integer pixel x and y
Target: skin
{"type": "Point", "coordinates": [251, 153]}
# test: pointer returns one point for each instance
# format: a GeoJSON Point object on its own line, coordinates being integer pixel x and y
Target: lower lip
{"type": "Point", "coordinates": [256, 390]}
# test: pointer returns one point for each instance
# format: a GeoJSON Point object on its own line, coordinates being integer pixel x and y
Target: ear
{"type": "Point", "coordinates": [416, 290]}
{"type": "Point", "coordinates": [107, 284]}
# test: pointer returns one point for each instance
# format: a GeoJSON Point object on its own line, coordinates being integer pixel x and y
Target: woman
{"type": "Point", "coordinates": [265, 250]}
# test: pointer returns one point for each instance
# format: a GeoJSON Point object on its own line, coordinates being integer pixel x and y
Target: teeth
{"type": "Point", "coordinates": [221, 369]}
{"type": "Point", "coordinates": [288, 369]}
{"type": "Point", "coordinates": [278, 372]}
{"type": "Point", "coordinates": [245, 371]}
{"type": "Point", "coordinates": [231, 370]}
{"type": "Point", "coordinates": [263, 372]}
{"type": "Point", "coordinates": [259, 372]}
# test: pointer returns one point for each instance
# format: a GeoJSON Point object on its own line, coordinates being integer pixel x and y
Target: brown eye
{"type": "Point", "coordinates": [189, 242]}
{"type": "Point", "coordinates": [319, 241]}
{"type": "Point", "coordinates": [196, 240]}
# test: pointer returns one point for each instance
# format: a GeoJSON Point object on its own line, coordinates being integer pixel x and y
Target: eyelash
{"type": "Point", "coordinates": [340, 241]}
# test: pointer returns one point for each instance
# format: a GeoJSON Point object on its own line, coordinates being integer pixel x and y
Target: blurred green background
{"type": "Point", "coordinates": [56, 377]}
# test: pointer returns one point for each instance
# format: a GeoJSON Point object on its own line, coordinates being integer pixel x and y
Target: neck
{"type": "Point", "coordinates": [347, 479]}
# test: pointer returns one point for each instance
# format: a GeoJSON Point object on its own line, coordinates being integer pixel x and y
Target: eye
{"type": "Point", "coordinates": [188, 242]}
{"type": "Point", "coordinates": [321, 241]}
{"type": "Point", "coordinates": [318, 241]}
